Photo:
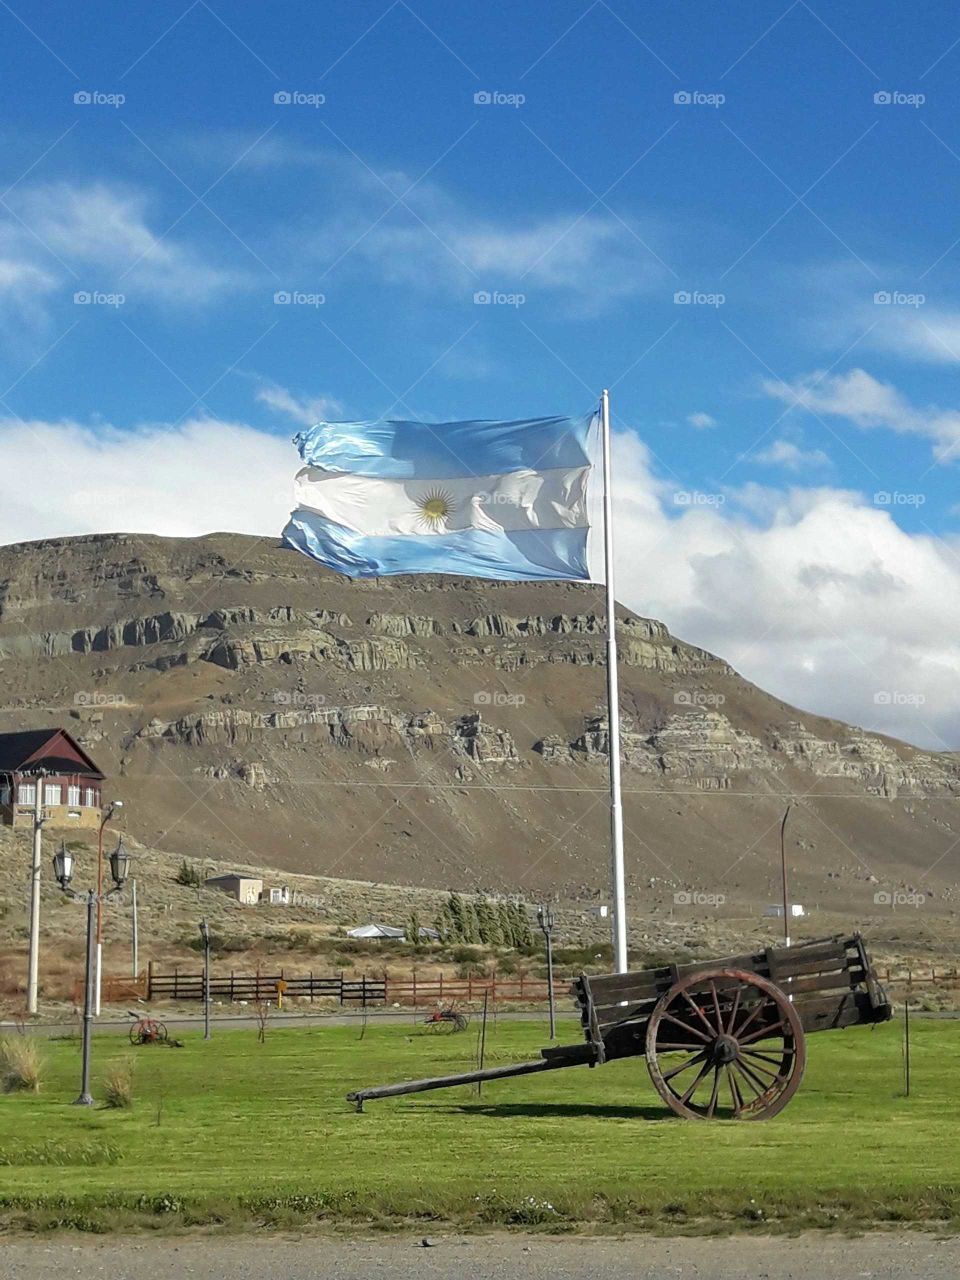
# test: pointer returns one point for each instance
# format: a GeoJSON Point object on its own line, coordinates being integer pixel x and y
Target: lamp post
{"type": "Point", "coordinates": [113, 807]}
{"type": "Point", "coordinates": [63, 871]}
{"type": "Point", "coordinates": [33, 956]}
{"type": "Point", "coordinates": [205, 935]}
{"type": "Point", "coordinates": [783, 876]}
{"type": "Point", "coordinates": [546, 922]}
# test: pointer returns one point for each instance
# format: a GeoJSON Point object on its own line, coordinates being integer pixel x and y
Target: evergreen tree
{"type": "Point", "coordinates": [413, 929]}
{"type": "Point", "coordinates": [508, 928]}
{"type": "Point", "coordinates": [459, 926]}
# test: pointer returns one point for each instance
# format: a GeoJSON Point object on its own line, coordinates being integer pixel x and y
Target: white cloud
{"type": "Point", "coordinates": [865, 401]}
{"type": "Point", "coordinates": [701, 420]}
{"type": "Point", "coordinates": [200, 477]}
{"type": "Point", "coordinates": [105, 236]}
{"type": "Point", "coordinates": [816, 597]}
{"type": "Point", "coordinates": [303, 409]}
{"type": "Point", "coordinates": [786, 454]}
{"type": "Point", "coordinates": [811, 593]}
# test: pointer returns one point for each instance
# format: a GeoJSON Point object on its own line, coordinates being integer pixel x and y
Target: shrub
{"type": "Point", "coordinates": [118, 1085]}
{"type": "Point", "coordinates": [189, 875]}
{"type": "Point", "coordinates": [21, 1064]}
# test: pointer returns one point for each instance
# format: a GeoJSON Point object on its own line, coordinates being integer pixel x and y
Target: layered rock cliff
{"type": "Point", "coordinates": [247, 703]}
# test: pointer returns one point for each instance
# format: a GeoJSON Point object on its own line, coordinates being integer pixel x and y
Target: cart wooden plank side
{"type": "Point", "coordinates": [722, 1039]}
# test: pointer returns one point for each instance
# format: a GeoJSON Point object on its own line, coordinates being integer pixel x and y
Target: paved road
{"type": "Point", "coordinates": [109, 1024]}
{"type": "Point", "coordinates": [875, 1257]}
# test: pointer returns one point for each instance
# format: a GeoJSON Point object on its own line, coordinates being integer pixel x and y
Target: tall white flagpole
{"type": "Point", "coordinates": [613, 707]}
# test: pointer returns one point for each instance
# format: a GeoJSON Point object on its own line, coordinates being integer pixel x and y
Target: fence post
{"type": "Point", "coordinates": [521, 984]}
{"type": "Point", "coordinates": [232, 996]}
{"type": "Point", "coordinates": [149, 980]}
{"type": "Point", "coordinates": [364, 994]}
{"type": "Point", "coordinates": [469, 986]}
{"type": "Point", "coordinates": [441, 986]}
{"type": "Point", "coordinates": [414, 985]}
{"type": "Point", "coordinates": [341, 988]}
{"type": "Point", "coordinates": [176, 982]}
{"type": "Point", "coordinates": [311, 986]}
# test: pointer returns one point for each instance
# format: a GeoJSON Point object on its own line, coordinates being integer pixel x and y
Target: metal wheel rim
{"type": "Point", "coordinates": [718, 1045]}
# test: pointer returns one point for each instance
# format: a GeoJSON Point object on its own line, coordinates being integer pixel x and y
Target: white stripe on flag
{"type": "Point", "coordinates": [517, 500]}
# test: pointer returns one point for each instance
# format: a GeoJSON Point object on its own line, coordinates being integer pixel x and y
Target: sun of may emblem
{"type": "Point", "coordinates": [435, 507]}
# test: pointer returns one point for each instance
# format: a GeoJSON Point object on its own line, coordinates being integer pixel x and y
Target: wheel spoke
{"type": "Point", "coordinates": [763, 1033]}
{"type": "Point", "coordinates": [716, 1007]}
{"type": "Point", "coordinates": [694, 1031]}
{"type": "Point", "coordinates": [691, 1062]}
{"type": "Point", "coordinates": [767, 1071]}
{"type": "Point", "coordinates": [734, 1093]}
{"type": "Point", "coordinates": [775, 1058]}
{"type": "Point", "coordinates": [664, 1046]}
{"type": "Point", "coordinates": [757, 1008]}
{"type": "Point", "coordinates": [700, 1014]}
{"type": "Point", "coordinates": [758, 1088]}
{"type": "Point", "coordinates": [693, 1088]}
{"type": "Point", "coordinates": [733, 1011]}
{"type": "Point", "coordinates": [759, 1085]}
{"type": "Point", "coordinates": [712, 1105]}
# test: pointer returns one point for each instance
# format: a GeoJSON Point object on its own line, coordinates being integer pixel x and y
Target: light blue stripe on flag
{"type": "Point", "coordinates": [527, 555]}
{"type": "Point", "coordinates": [440, 450]}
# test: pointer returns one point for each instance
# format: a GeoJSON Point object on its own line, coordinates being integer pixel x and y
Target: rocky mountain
{"type": "Point", "coordinates": [245, 703]}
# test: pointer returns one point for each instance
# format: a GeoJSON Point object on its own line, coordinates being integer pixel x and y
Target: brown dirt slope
{"type": "Point", "coordinates": [248, 705]}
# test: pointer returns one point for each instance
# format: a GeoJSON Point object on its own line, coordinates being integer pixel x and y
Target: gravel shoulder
{"type": "Point", "coordinates": [887, 1256]}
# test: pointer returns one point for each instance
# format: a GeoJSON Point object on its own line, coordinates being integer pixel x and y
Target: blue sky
{"type": "Point", "coordinates": [792, 170]}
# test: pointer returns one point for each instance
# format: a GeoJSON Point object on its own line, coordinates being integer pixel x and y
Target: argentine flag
{"type": "Point", "coordinates": [503, 500]}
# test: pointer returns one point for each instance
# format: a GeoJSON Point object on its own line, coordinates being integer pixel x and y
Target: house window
{"type": "Point", "coordinates": [91, 797]}
{"type": "Point", "coordinates": [73, 796]}
{"type": "Point", "coordinates": [52, 793]}
{"type": "Point", "coordinates": [4, 792]}
{"type": "Point", "coordinates": [26, 793]}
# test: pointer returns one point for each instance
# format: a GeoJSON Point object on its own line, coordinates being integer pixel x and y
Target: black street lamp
{"type": "Point", "coordinates": [63, 871]}
{"type": "Point", "coordinates": [546, 922]}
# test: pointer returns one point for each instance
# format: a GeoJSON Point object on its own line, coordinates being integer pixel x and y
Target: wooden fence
{"type": "Point", "coordinates": [409, 992]}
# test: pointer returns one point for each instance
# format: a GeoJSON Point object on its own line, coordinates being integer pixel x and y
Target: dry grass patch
{"type": "Point", "coordinates": [118, 1085]}
{"type": "Point", "coordinates": [21, 1064]}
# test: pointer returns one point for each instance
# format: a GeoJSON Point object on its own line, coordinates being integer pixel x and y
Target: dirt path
{"type": "Point", "coordinates": [495, 1257]}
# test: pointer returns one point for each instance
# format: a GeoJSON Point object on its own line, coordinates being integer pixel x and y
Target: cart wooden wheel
{"type": "Point", "coordinates": [725, 1043]}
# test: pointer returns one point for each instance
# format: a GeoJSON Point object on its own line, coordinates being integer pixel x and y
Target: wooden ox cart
{"type": "Point", "coordinates": [725, 1038]}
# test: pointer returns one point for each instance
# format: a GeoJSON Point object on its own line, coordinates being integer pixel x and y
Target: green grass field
{"type": "Point", "coordinates": [234, 1131]}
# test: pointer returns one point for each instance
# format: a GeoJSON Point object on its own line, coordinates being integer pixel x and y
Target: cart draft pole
{"type": "Point", "coordinates": [613, 706]}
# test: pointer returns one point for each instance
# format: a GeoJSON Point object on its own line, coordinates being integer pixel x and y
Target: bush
{"type": "Point", "coordinates": [21, 1064]}
{"type": "Point", "coordinates": [189, 875]}
{"type": "Point", "coordinates": [118, 1085]}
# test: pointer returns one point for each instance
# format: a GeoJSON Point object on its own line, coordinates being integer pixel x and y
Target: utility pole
{"type": "Point", "coordinates": [113, 807]}
{"type": "Point", "coordinates": [783, 874]}
{"type": "Point", "coordinates": [205, 935]}
{"type": "Point", "coordinates": [136, 931]}
{"type": "Point", "coordinates": [33, 960]}
{"type": "Point", "coordinates": [545, 920]}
